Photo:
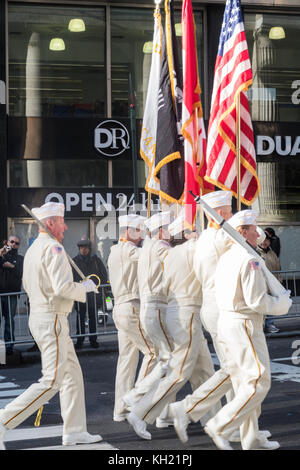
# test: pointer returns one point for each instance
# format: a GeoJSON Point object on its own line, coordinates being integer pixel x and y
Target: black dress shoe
{"type": "Point", "coordinates": [95, 345]}
{"type": "Point", "coordinates": [78, 345]}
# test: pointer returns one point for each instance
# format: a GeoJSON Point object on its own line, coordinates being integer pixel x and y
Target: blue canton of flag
{"type": "Point", "coordinates": [232, 16]}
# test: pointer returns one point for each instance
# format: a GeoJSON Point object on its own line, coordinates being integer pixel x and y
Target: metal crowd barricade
{"type": "Point", "coordinates": [291, 280]}
{"type": "Point", "coordinates": [98, 315]}
{"type": "Point", "coordinates": [15, 311]}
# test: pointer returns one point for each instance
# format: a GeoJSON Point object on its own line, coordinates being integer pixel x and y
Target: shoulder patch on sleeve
{"type": "Point", "coordinates": [254, 265]}
{"type": "Point", "coordinates": [57, 250]}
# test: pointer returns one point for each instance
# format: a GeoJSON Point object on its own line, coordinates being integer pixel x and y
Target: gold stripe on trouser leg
{"type": "Point", "coordinates": [152, 355]}
{"type": "Point", "coordinates": [162, 327]}
{"type": "Point", "coordinates": [180, 372]}
{"type": "Point", "coordinates": [256, 382]}
{"type": "Point", "coordinates": [53, 380]}
{"type": "Point", "coordinates": [208, 395]}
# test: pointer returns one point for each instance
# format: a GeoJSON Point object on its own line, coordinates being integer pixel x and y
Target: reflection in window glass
{"type": "Point", "coordinates": [279, 196]}
{"type": "Point", "coordinates": [123, 173]}
{"type": "Point", "coordinates": [77, 229]}
{"type": "Point", "coordinates": [27, 232]}
{"type": "Point", "coordinates": [132, 34]}
{"type": "Point", "coordinates": [130, 30]}
{"type": "Point", "coordinates": [58, 173]}
{"type": "Point", "coordinates": [45, 82]}
{"type": "Point", "coordinates": [274, 47]}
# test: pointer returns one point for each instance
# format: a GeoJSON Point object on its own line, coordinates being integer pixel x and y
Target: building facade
{"type": "Point", "coordinates": [72, 95]}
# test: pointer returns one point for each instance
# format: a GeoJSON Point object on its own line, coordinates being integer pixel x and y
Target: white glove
{"type": "Point", "coordinates": [287, 292]}
{"type": "Point", "coordinates": [90, 286]}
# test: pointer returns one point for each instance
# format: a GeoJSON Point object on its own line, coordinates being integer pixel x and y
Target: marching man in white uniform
{"type": "Point", "coordinates": [48, 281]}
{"type": "Point", "coordinates": [211, 244]}
{"type": "Point", "coordinates": [190, 350]}
{"type": "Point", "coordinates": [243, 299]}
{"type": "Point", "coordinates": [153, 302]}
{"type": "Point", "coordinates": [123, 265]}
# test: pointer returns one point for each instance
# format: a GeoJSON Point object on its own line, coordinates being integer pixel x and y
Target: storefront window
{"type": "Point", "coordinates": [274, 47]}
{"type": "Point", "coordinates": [28, 232]}
{"type": "Point", "coordinates": [131, 48]}
{"type": "Point", "coordinates": [131, 34]}
{"type": "Point", "coordinates": [56, 68]}
{"type": "Point", "coordinates": [57, 173]}
{"type": "Point", "coordinates": [123, 173]}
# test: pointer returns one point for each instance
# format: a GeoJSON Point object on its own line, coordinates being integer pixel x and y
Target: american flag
{"type": "Point", "coordinates": [233, 75]}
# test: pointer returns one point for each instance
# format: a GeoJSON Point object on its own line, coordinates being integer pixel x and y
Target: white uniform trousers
{"type": "Point", "coordinates": [189, 347]}
{"type": "Point", "coordinates": [61, 372]}
{"type": "Point", "coordinates": [248, 364]}
{"type": "Point", "coordinates": [207, 396]}
{"type": "Point", "coordinates": [209, 318]}
{"type": "Point", "coordinates": [131, 339]}
{"type": "Point", "coordinates": [153, 321]}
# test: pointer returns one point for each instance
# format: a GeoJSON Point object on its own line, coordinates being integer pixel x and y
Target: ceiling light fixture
{"type": "Point", "coordinates": [76, 25]}
{"type": "Point", "coordinates": [178, 29]}
{"type": "Point", "coordinates": [57, 44]}
{"type": "Point", "coordinates": [277, 32]}
{"type": "Point", "coordinates": [148, 47]}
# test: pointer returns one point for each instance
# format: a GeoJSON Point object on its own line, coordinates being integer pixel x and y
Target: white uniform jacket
{"type": "Point", "coordinates": [241, 287]}
{"type": "Point", "coordinates": [150, 270]}
{"type": "Point", "coordinates": [48, 277]}
{"type": "Point", "coordinates": [209, 247]}
{"type": "Point", "coordinates": [122, 266]}
{"type": "Point", "coordinates": [181, 285]}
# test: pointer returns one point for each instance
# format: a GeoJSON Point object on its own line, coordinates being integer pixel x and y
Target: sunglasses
{"type": "Point", "coordinates": [14, 242]}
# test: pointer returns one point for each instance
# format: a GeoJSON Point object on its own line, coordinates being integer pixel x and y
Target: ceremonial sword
{"type": "Point", "coordinates": [275, 287]}
{"type": "Point", "coordinates": [73, 264]}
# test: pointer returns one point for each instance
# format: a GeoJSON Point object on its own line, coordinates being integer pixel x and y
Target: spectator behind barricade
{"type": "Point", "coordinates": [273, 264]}
{"type": "Point", "coordinates": [88, 264]}
{"type": "Point", "coordinates": [274, 240]}
{"type": "Point", "coordinates": [11, 270]}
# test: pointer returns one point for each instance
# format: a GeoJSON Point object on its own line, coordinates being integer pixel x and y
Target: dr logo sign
{"type": "Point", "coordinates": [111, 138]}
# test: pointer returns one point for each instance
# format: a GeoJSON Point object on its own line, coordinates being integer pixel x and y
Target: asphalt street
{"type": "Point", "coordinates": [280, 410]}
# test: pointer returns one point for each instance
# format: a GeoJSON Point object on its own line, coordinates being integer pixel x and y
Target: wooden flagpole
{"type": "Point", "coordinates": [238, 152]}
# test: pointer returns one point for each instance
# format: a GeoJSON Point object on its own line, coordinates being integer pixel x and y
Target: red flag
{"type": "Point", "coordinates": [233, 75]}
{"type": "Point", "coordinates": [193, 129]}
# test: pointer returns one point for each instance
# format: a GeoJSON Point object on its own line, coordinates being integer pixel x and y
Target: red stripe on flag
{"type": "Point", "coordinates": [235, 64]}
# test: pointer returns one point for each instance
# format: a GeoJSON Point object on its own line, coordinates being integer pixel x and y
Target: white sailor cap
{"type": "Point", "coordinates": [50, 209]}
{"type": "Point", "coordinates": [132, 220]}
{"type": "Point", "coordinates": [246, 217]}
{"type": "Point", "coordinates": [177, 226]}
{"type": "Point", "coordinates": [158, 220]}
{"type": "Point", "coordinates": [218, 198]}
{"type": "Point", "coordinates": [262, 235]}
